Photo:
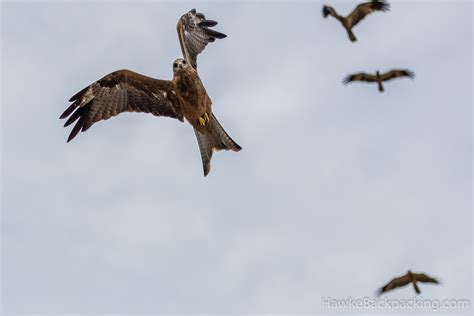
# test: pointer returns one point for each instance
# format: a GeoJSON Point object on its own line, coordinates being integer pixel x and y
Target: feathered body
{"type": "Point", "coordinates": [195, 102]}
{"type": "Point", "coordinates": [192, 96]}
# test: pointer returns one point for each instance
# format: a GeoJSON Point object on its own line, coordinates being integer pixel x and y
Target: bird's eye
{"type": "Point", "coordinates": [184, 61]}
{"type": "Point", "coordinates": [175, 65]}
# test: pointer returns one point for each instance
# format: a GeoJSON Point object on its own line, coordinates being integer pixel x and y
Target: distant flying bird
{"type": "Point", "coordinates": [183, 96]}
{"type": "Point", "coordinates": [410, 277]}
{"type": "Point", "coordinates": [379, 78]}
{"type": "Point", "coordinates": [359, 13]}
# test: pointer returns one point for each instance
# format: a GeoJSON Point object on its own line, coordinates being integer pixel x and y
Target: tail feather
{"type": "Point", "coordinates": [215, 139]}
{"type": "Point", "coordinates": [417, 289]}
{"type": "Point", "coordinates": [381, 89]}
{"type": "Point", "coordinates": [351, 35]}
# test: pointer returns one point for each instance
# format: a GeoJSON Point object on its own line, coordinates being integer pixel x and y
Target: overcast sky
{"type": "Point", "coordinates": [337, 189]}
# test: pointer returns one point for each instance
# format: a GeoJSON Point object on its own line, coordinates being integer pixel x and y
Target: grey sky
{"type": "Point", "coordinates": [337, 189]}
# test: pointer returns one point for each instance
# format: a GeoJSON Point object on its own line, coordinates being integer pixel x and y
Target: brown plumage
{"type": "Point", "coordinates": [359, 13]}
{"type": "Point", "coordinates": [408, 278]}
{"type": "Point", "coordinates": [182, 97]}
{"type": "Point", "coordinates": [379, 78]}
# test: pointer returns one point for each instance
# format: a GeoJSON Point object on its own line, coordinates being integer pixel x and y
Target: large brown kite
{"type": "Point", "coordinates": [408, 278]}
{"type": "Point", "coordinates": [182, 97]}
{"type": "Point", "coordinates": [360, 12]}
{"type": "Point", "coordinates": [379, 78]}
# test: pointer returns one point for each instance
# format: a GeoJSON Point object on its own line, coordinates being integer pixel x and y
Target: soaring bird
{"type": "Point", "coordinates": [360, 12]}
{"type": "Point", "coordinates": [379, 78]}
{"type": "Point", "coordinates": [410, 277]}
{"type": "Point", "coordinates": [183, 96]}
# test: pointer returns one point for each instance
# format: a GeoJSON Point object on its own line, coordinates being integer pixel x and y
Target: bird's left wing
{"type": "Point", "coordinates": [364, 9]}
{"type": "Point", "coordinates": [397, 73]}
{"type": "Point", "coordinates": [361, 76]}
{"type": "Point", "coordinates": [395, 283]}
{"type": "Point", "coordinates": [118, 92]}
{"type": "Point", "coordinates": [194, 34]}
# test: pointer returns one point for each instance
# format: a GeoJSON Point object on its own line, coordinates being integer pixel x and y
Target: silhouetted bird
{"type": "Point", "coordinates": [379, 78]}
{"type": "Point", "coordinates": [410, 277]}
{"type": "Point", "coordinates": [360, 12]}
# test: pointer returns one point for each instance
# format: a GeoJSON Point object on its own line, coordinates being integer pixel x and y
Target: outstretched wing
{"type": "Point", "coordinates": [327, 10]}
{"type": "Point", "coordinates": [397, 73]}
{"type": "Point", "coordinates": [118, 92]}
{"type": "Point", "coordinates": [421, 277]}
{"type": "Point", "coordinates": [364, 9]}
{"type": "Point", "coordinates": [395, 283]}
{"type": "Point", "coordinates": [194, 34]}
{"type": "Point", "coordinates": [362, 76]}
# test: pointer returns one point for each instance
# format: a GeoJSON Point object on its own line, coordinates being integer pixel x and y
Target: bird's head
{"type": "Point", "coordinates": [378, 73]}
{"type": "Point", "coordinates": [180, 64]}
{"type": "Point", "coordinates": [409, 272]}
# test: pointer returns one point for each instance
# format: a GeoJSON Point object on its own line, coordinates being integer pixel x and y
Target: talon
{"type": "Point", "coordinates": [204, 119]}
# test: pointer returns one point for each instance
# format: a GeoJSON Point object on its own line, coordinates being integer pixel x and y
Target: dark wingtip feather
{"type": "Point", "coordinates": [75, 97]}
{"type": "Point", "coordinates": [410, 74]}
{"type": "Point", "coordinates": [325, 11]}
{"type": "Point", "coordinates": [381, 5]}
{"type": "Point", "coordinates": [347, 80]}
{"type": "Point", "coordinates": [74, 117]}
{"type": "Point", "coordinates": [78, 95]}
{"type": "Point", "coordinates": [76, 129]}
{"type": "Point", "coordinates": [68, 111]}
{"type": "Point", "coordinates": [215, 34]}
{"type": "Point", "coordinates": [379, 291]}
{"type": "Point", "coordinates": [208, 23]}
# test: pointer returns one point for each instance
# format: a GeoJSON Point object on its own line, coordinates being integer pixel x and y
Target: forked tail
{"type": "Point", "coordinates": [215, 139]}
{"type": "Point", "coordinates": [351, 35]}
{"type": "Point", "coordinates": [380, 86]}
{"type": "Point", "coordinates": [417, 289]}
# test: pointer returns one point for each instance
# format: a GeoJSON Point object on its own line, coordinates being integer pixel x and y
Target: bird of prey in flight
{"type": "Point", "coordinates": [184, 96]}
{"type": "Point", "coordinates": [360, 12]}
{"type": "Point", "coordinates": [408, 278]}
{"type": "Point", "coordinates": [379, 78]}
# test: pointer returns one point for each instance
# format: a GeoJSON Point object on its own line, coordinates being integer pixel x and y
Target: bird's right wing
{"type": "Point", "coordinates": [118, 92]}
{"type": "Point", "coordinates": [362, 76]}
{"type": "Point", "coordinates": [395, 283]}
